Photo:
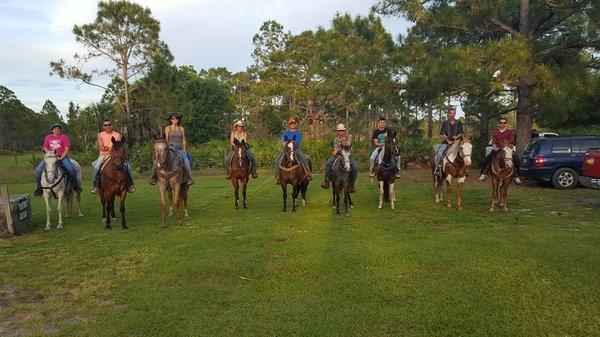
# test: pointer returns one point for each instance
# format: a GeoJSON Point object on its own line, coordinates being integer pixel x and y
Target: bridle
{"type": "Point", "coordinates": [168, 151]}
{"type": "Point", "coordinates": [55, 173]}
{"type": "Point", "coordinates": [508, 164]}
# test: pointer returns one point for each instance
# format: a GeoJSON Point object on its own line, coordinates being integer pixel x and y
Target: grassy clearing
{"type": "Point", "coordinates": [422, 270]}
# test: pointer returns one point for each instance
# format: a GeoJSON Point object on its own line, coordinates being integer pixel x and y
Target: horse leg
{"type": "Point", "coordinates": [336, 198]}
{"type": "Point", "coordinates": [236, 192]}
{"type": "Point", "coordinates": [449, 191]}
{"type": "Point", "coordinates": [78, 198]}
{"type": "Point", "coordinates": [103, 201]}
{"type": "Point", "coordinates": [108, 208]}
{"type": "Point", "coordinates": [176, 204]}
{"type": "Point", "coordinates": [392, 196]}
{"type": "Point", "coordinates": [48, 209]}
{"type": "Point", "coordinates": [122, 208]}
{"type": "Point", "coordinates": [295, 192]}
{"type": "Point", "coordinates": [184, 197]}
{"type": "Point", "coordinates": [350, 201]}
{"type": "Point", "coordinates": [380, 195]}
{"type": "Point", "coordinates": [504, 195]}
{"type": "Point", "coordinates": [284, 192]}
{"type": "Point", "coordinates": [244, 188]}
{"type": "Point", "coordinates": [494, 193]}
{"type": "Point", "coordinates": [61, 196]}
{"type": "Point", "coordinates": [162, 190]}
{"type": "Point", "coordinates": [459, 187]}
{"type": "Point", "coordinates": [303, 191]}
{"type": "Point", "coordinates": [437, 185]}
{"type": "Point", "coordinates": [346, 198]}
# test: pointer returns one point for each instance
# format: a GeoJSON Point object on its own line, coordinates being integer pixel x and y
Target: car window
{"type": "Point", "coordinates": [581, 145]}
{"type": "Point", "coordinates": [533, 147]}
{"type": "Point", "coordinates": [561, 146]}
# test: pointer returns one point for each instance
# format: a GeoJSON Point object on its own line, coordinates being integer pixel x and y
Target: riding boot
{"type": "Point", "coordinates": [228, 174]}
{"type": "Point", "coordinates": [153, 179]}
{"type": "Point", "coordinates": [129, 183]}
{"type": "Point", "coordinates": [38, 191]}
{"type": "Point", "coordinates": [254, 173]}
{"type": "Point", "coordinates": [190, 181]}
{"type": "Point", "coordinates": [94, 189]}
{"type": "Point", "coordinates": [325, 184]}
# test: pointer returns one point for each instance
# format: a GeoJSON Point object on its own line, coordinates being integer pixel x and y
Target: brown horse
{"type": "Point", "coordinates": [240, 168]}
{"type": "Point", "coordinates": [292, 172]}
{"type": "Point", "coordinates": [114, 182]}
{"type": "Point", "coordinates": [501, 173]}
{"type": "Point", "coordinates": [386, 170]}
{"type": "Point", "coordinates": [172, 182]}
{"type": "Point", "coordinates": [455, 164]}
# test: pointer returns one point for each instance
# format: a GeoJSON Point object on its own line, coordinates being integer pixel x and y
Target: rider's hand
{"type": "Point", "coordinates": [105, 148]}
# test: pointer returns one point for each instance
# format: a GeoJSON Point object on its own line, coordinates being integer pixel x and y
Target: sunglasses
{"type": "Point", "coordinates": [502, 122]}
{"type": "Point", "coordinates": [109, 124]}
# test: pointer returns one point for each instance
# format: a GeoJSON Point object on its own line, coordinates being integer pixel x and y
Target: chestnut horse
{"type": "Point", "coordinates": [113, 182]}
{"type": "Point", "coordinates": [172, 182]}
{"type": "Point", "coordinates": [501, 173]}
{"type": "Point", "coordinates": [292, 172]}
{"type": "Point", "coordinates": [240, 167]}
{"type": "Point", "coordinates": [455, 164]}
{"type": "Point", "coordinates": [386, 170]}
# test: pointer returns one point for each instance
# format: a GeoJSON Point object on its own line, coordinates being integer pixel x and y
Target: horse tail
{"type": "Point", "coordinates": [386, 191]}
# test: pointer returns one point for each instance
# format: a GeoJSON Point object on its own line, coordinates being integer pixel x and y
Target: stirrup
{"type": "Point", "coordinates": [153, 180]}
{"type": "Point", "coordinates": [94, 190]}
{"type": "Point", "coordinates": [131, 189]}
{"type": "Point", "coordinates": [325, 184]}
{"type": "Point", "coordinates": [254, 175]}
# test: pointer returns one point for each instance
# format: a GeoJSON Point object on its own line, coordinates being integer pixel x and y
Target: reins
{"type": "Point", "coordinates": [51, 188]}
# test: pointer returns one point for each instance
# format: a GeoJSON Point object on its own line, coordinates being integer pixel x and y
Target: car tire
{"type": "Point", "coordinates": [565, 178]}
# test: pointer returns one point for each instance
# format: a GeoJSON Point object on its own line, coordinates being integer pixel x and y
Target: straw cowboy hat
{"type": "Point", "coordinates": [340, 127]}
{"type": "Point", "coordinates": [239, 123]}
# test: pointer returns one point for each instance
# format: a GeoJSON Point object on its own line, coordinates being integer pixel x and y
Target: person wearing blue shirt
{"type": "Point", "coordinates": [292, 133]}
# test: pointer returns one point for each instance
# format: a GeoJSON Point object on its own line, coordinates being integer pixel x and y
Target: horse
{"type": "Point", "coordinates": [455, 164]}
{"type": "Point", "coordinates": [54, 182]}
{"type": "Point", "coordinates": [240, 167]}
{"type": "Point", "coordinates": [291, 172]}
{"type": "Point", "coordinates": [70, 195]}
{"type": "Point", "coordinates": [386, 170]}
{"type": "Point", "coordinates": [172, 184]}
{"type": "Point", "coordinates": [341, 178]}
{"type": "Point", "coordinates": [501, 173]}
{"type": "Point", "coordinates": [113, 182]}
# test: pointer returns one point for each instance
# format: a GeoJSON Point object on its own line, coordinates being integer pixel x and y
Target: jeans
{"type": "Point", "coordinates": [65, 162]}
{"type": "Point", "coordinates": [97, 165]}
{"type": "Point", "coordinates": [329, 169]}
{"type": "Point", "coordinates": [439, 153]}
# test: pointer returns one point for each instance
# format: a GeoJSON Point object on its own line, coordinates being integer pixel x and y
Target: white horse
{"type": "Point", "coordinates": [54, 182]}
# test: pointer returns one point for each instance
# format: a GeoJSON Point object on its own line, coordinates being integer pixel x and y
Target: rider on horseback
{"type": "Point", "coordinates": [59, 143]}
{"type": "Point", "coordinates": [175, 137]}
{"type": "Point", "coordinates": [451, 130]}
{"type": "Point", "coordinates": [104, 144]}
{"type": "Point", "coordinates": [378, 140]}
{"type": "Point", "coordinates": [503, 135]}
{"type": "Point", "coordinates": [343, 139]}
{"type": "Point", "coordinates": [293, 134]}
{"type": "Point", "coordinates": [239, 134]}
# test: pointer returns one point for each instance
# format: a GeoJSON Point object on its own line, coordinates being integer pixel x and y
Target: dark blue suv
{"type": "Point", "coordinates": [558, 160]}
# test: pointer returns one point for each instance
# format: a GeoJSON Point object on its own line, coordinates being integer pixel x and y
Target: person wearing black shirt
{"type": "Point", "coordinates": [450, 131]}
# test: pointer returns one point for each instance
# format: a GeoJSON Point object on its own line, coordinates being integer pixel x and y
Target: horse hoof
{"type": "Point", "coordinates": [47, 228]}
{"type": "Point", "coordinates": [80, 215]}
{"type": "Point", "coordinates": [108, 227]}
{"type": "Point", "coordinates": [68, 215]}
{"type": "Point", "coordinates": [394, 208]}
{"type": "Point", "coordinates": [505, 210]}
{"type": "Point", "coordinates": [59, 226]}
{"type": "Point", "coordinates": [163, 226]}
{"type": "Point", "coordinates": [125, 227]}
{"type": "Point", "coordinates": [103, 220]}
{"type": "Point", "coordinates": [303, 202]}
{"type": "Point", "coordinates": [293, 210]}
{"type": "Point", "coordinates": [449, 206]}
{"type": "Point", "coordinates": [379, 207]}
{"type": "Point", "coordinates": [347, 214]}
{"type": "Point", "coordinates": [459, 209]}
{"type": "Point", "coordinates": [491, 210]}
{"type": "Point", "coordinates": [186, 214]}
{"type": "Point", "coordinates": [283, 210]}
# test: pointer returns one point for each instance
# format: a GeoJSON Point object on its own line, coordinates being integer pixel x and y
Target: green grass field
{"type": "Point", "coordinates": [422, 270]}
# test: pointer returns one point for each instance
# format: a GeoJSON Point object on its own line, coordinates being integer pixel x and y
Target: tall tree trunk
{"type": "Point", "coordinates": [524, 115]}
{"type": "Point", "coordinates": [484, 132]}
{"type": "Point", "coordinates": [429, 122]}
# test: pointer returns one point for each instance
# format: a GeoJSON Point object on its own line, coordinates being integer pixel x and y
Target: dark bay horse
{"type": "Point", "coordinates": [240, 168]}
{"type": "Point", "coordinates": [172, 180]}
{"type": "Point", "coordinates": [386, 170]}
{"type": "Point", "coordinates": [455, 164]}
{"type": "Point", "coordinates": [341, 178]}
{"type": "Point", "coordinates": [113, 182]}
{"type": "Point", "coordinates": [501, 173]}
{"type": "Point", "coordinates": [291, 172]}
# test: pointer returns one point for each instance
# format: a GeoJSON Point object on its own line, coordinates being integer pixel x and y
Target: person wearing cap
{"type": "Point", "coordinates": [378, 141]}
{"type": "Point", "coordinates": [293, 134]}
{"type": "Point", "coordinates": [342, 139]}
{"type": "Point", "coordinates": [59, 143]}
{"type": "Point", "coordinates": [239, 133]}
{"type": "Point", "coordinates": [175, 137]}
{"type": "Point", "coordinates": [451, 130]}
{"type": "Point", "coordinates": [104, 145]}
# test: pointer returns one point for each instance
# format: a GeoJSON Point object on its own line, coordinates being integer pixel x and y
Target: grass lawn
{"type": "Point", "coordinates": [422, 270]}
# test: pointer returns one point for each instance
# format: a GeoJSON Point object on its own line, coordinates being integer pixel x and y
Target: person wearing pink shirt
{"type": "Point", "coordinates": [60, 144]}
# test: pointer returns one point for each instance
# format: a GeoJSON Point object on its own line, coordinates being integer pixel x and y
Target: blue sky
{"type": "Point", "coordinates": [201, 33]}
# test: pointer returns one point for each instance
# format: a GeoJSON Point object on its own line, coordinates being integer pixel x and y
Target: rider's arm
{"type": "Point", "coordinates": [183, 139]}
{"type": "Point", "coordinates": [99, 143]}
{"type": "Point", "coordinates": [231, 139]}
{"type": "Point", "coordinates": [167, 133]}
{"type": "Point", "coordinates": [67, 145]}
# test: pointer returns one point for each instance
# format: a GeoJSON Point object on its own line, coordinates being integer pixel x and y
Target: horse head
{"type": "Point", "coordinates": [290, 155]}
{"type": "Point", "coordinates": [506, 154]}
{"type": "Point", "coordinates": [117, 152]}
{"type": "Point", "coordinates": [466, 149]}
{"type": "Point", "coordinates": [389, 149]}
{"type": "Point", "coordinates": [345, 153]}
{"type": "Point", "coordinates": [161, 150]}
{"type": "Point", "coordinates": [51, 166]}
